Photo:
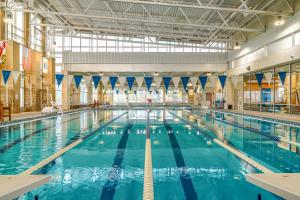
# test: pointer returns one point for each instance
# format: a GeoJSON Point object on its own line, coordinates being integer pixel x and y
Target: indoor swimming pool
{"type": "Point", "coordinates": [186, 162]}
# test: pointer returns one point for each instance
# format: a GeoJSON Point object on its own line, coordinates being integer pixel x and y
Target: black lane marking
{"type": "Point", "coordinates": [185, 178]}
{"type": "Point", "coordinates": [109, 188]}
{"type": "Point", "coordinates": [6, 147]}
{"type": "Point", "coordinates": [46, 168]}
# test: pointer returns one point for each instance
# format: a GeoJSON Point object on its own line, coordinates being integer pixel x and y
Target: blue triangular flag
{"type": "Point", "coordinates": [5, 74]}
{"type": "Point", "coordinates": [59, 78]}
{"type": "Point", "coordinates": [96, 80]}
{"type": "Point", "coordinates": [77, 79]}
{"type": "Point", "coordinates": [185, 81]}
{"type": "Point", "coordinates": [148, 81]}
{"type": "Point", "coordinates": [282, 76]}
{"type": "Point", "coordinates": [259, 78]}
{"type": "Point", "coordinates": [223, 80]}
{"type": "Point", "coordinates": [113, 80]}
{"type": "Point", "coordinates": [203, 80]}
{"type": "Point", "coordinates": [167, 80]}
{"type": "Point", "coordinates": [130, 81]}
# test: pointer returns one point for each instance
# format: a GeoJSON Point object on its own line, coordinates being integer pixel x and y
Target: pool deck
{"type": "Point", "coordinates": [276, 116]}
{"type": "Point", "coordinates": [13, 186]}
{"type": "Point", "coordinates": [32, 116]}
{"type": "Point", "coordinates": [285, 185]}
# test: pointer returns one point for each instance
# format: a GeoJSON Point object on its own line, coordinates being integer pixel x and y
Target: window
{"type": "Point", "coordinates": [295, 87]}
{"type": "Point", "coordinates": [83, 93]}
{"type": "Point", "coordinates": [282, 89]}
{"type": "Point", "coordinates": [36, 32]}
{"type": "Point", "coordinates": [267, 91]}
{"type": "Point", "coordinates": [22, 90]}
{"type": "Point", "coordinates": [15, 31]}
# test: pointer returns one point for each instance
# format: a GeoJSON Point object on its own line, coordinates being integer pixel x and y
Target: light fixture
{"type": "Point", "coordinates": [236, 46]}
{"type": "Point", "coordinates": [8, 18]}
{"type": "Point", "coordinates": [155, 74]}
{"type": "Point", "coordinates": [208, 74]}
{"type": "Point", "coordinates": [279, 21]}
{"type": "Point", "coordinates": [100, 74]}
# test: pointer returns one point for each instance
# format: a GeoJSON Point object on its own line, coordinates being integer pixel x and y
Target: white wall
{"type": "Point", "coordinates": [277, 45]}
{"type": "Point", "coordinates": [145, 62]}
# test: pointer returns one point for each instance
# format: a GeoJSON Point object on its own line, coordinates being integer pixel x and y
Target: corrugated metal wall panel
{"type": "Point", "coordinates": [143, 58]}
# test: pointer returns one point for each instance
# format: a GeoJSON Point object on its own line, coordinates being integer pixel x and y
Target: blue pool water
{"type": "Point", "coordinates": [109, 164]}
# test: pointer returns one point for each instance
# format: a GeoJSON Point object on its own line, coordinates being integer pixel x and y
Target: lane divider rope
{"type": "Point", "coordinates": [148, 193]}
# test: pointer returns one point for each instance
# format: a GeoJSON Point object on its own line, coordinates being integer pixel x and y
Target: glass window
{"type": "Point", "coordinates": [15, 31]}
{"type": "Point", "coordinates": [267, 91]}
{"type": "Point", "coordinates": [83, 93]}
{"type": "Point", "coordinates": [36, 32]}
{"type": "Point", "coordinates": [282, 89]}
{"type": "Point", "coordinates": [58, 94]}
{"type": "Point", "coordinates": [295, 87]}
{"type": "Point", "coordinates": [255, 93]}
{"type": "Point", "coordinates": [246, 86]}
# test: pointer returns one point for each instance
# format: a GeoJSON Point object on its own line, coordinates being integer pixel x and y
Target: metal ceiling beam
{"type": "Point", "coordinates": [136, 20]}
{"type": "Point", "coordinates": [137, 32]}
{"type": "Point", "coordinates": [202, 6]}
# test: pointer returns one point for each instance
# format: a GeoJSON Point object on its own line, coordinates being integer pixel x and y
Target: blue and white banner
{"type": "Point", "coordinates": [122, 80]}
{"type": "Point", "coordinates": [259, 78]}
{"type": "Point", "coordinates": [185, 81]}
{"type": "Point", "coordinates": [69, 79]}
{"type": "Point", "coordinates": [167, 80]}
{"type": "Point", "coordinates": [130, 81]}
{"type": "Point", "coordinates": [104, 80]}
{"type": "Point", "coordinates": [176, 81]}
{"type": "Point", "coordinates": [59, 78]}
{"type": "Point", "coordinates": [282, 76]}
{"type": "Point", "coordinates": [139, 81]}
{"type": "Point", "coordinates": [157, 80]}
{"type": "Point", "coordinates": [15, 76]}
{"type": "Point", "coordinates": [96, 80]}
{"type": "Point", "coordinates": [213, 79]}
{"type": "Point", "coordinates": [203, 80]}
{"type": "Point", "coordinates": [87, 80]}
{"type": "Point", "coordinates": [113, 80]}
{"type": "Point", "coordinates": [269, 77]}
{"type": "Point", "coordinates": [77, 79]}
{"type": "Point", "coordinates": [148, 81]}
{"type": "Point", "coordinates": [222, 79]}
{"type": "Point", "coordinates": [235, 80]}
{"type": "Point", "coordinates": [5, 74]}
{"type": "Point", "coordinates": [194, 80]}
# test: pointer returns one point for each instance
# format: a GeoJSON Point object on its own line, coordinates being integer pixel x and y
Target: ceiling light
{"type": "Point", "coordinates": [237, 46]}
{"type": "Point", "coordinates": [100, 74]}
{"type": "Point", "coordinates": [279, 21]}
{"type": "Point", "coordinates": [155, 74]}
{"type": "Point", "coordinates": [208, 74]}
{"type": "Point", "coordinates": [8, 18]}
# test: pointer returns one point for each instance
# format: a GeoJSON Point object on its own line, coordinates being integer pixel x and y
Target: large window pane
{"type": "Point", "coordinates": [295, 80]}
{"type": "Point", "coordinates": [246, 86]}
{"type": "Point", "coordinates": [255, 93]}
{"type": "Point", "coordinates": [267, 92]}
{"type": "Point", "coordinates": [282, 89]}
